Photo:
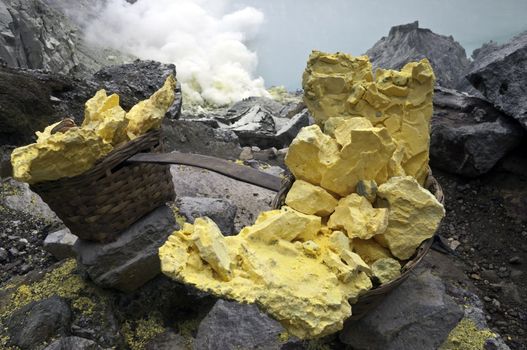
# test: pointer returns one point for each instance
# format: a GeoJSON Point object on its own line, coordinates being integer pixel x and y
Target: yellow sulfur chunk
{"type": "Point", "coordinates": [414, 215]}
{"type": "Point", "coordinates": [72, 153]}
{"type": "Point", "coordinates": [290, 281]}
{"type": "Point", "coordinates": [285, 224]}
{"type": "Point", "coordinates": [365, 156]}
{"type": "Point", "coordinates": [355, 261]}
{"type": "Point", "coordinates": [148, 114]}
{"type": "Point", "coordinates": [340, 128]}
{"type": "Point", "coordinates": [386, 270]}
{"type": "Point", "coordinates": [311, 153]}
{"type": "Point", "coordinates": [358, 218]}
{"type": "Point", "coordinates": [369, 250]}
{"type": "Point", "coordinates": [211, 248]}
{"type": "Point", "coordinates": [339, 242]}
{"type": "Point", "coordinates": [341, 86]}
{"type": "Point", "coordinates": [103, 114]}
{"type": "Point", "coordinates": [310, 199]}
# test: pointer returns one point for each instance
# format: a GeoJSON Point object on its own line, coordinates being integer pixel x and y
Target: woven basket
{"type": "Point", "coordinates": [112, 195]}
{"type": "Point", "coordinates": [372, 298]}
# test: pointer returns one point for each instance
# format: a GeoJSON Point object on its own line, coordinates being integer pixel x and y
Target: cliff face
{"type": "Point", "coordinates": [47, 35]}
{"type": "Point", "coordinates": [408, 42]}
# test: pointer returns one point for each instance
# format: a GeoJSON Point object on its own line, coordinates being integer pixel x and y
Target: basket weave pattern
{"type": "Point", "coordinates": [375, 296]}
{"type": "Point", "coordinates": [111, 196]}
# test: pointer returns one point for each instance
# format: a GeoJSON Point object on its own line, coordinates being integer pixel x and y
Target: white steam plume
{"type": "Point", "coordinates": [208, 45]}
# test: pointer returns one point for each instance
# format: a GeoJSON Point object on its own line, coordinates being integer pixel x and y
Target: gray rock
{"type": "Point", "coordinates": [417, 315]}
{"type": "Point", "coordinates": [61, 244]}
{"type": "Point", "coordinates": [256, 127]}
{"type": "Point", "coordinates": [259, 127]}
{"type": "Point", "coordinates": [497, 73]}
{"type": "Point", "coordinates": [39, 321]}
{"type": "Point", "coordinates": [131, 260]}
{"type": "Point", "coordinates": [36, 35]}
{"type": "Point", "coordinates": [288, 130]}
{"type": "Point", "coordinates": [469, 136]}
{"type": "Point", "coordinates": [230, 326]}
{"type": "Point", "coordinates": [221, 211]}
{"type": "Point", "coordinates": [167, 341]}
{"type": "Point", "coordinates": [3, 255]}
{"type": "Point", "coordinates": [241, 108]}
{"type": "Point", "coordinates": [6, 169]}
{"type": "Point", "coordinates": [20, 197]}
{"type": "Point", "coordinates": [196, 137]}
{"type": "Point", "coordinates": [73, 343]}
{"type": "Point", "coordinates": [249, 199]}
{"type": "Point", "coordinates": [408, 42]}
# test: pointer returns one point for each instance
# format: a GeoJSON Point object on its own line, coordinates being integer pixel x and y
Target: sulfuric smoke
{"type": "Point", "coordinates": [207, 44]}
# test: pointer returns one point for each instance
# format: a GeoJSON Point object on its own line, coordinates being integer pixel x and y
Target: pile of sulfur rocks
{"type": "Point", "coordinates": [356, 212]}
{"type": "Point", "coordinates": [66, 152]}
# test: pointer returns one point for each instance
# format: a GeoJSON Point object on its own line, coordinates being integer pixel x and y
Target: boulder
{"type": "Point", "coordinates": [77, 343]}
{"type": "Point", "coordinates": [496, 73]}
{"type": "Point", "coordinates": [19, 197]}
{"type": "Point", "coordinates": [39, 321]}
{"type": "Point", "coordinates": [230, 325]}
{"type": "Point", "coordinates": [131, 260]}
{"type": "Point", "coordinates": [190, 136]}
{"type": "Point", "coordinates": [259, 122]}
{"type": "Point", "coordinates": [419, 314]}
{"type": "Point", "coordinates": [469, 136]}
{"type": "Point", "coordinates": [221, 211]}
{"type": "Point", "coordinates": [406, 43]}
{"type": "Point", "coordinates": [61, 244]}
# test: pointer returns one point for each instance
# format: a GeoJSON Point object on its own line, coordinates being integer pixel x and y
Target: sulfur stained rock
{"type": "Point", "coordinates": [370, 250]}
{"type": "Point", "coordinates": [72, 153]}
{"type": "Point", "coordinates": [358, 218]}
{"type": "Point", "coordinates": [365, 155]}
{"type": "Point", "coordinates": [342, 86]}
{"type": "Point", "coordinates": [414, 215]}
{"type": "Point", "coordinates": [281, 263]}
{"type": "Point", "coordinates": [148, 114]}
{"type": "Point", "coordinates": [310, 199]}
{"type": "Point", "coordinates": [311, 153]}
{"type": "Point", "coordinates": [386, 269]}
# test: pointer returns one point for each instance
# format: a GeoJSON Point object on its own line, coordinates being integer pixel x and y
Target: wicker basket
{"type": "Point", "coordinates": [375, 296]}
{"type": "Point", "coordinates": [112, 195]}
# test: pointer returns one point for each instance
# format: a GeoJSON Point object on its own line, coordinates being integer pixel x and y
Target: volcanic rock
{"type": "Point", "coordinates": [61, 244]}
{"type": "Point", "coordinates": [39, 321]}
{"type": "Point", "coordinates": [131, 260]}
{"type": "Point", "coordinates": [230, 325]}
{"type": "Point", "coordinates": [221, 211]}
{"type": "Point", "coordinates": [497, 74]}
{"type": "Point", "coordinates": [417, 315]}
{"type": "Point", "coordinates": [406, 43]}
{"type": "Point", "coordinates": [70, 343]}
{"type": "Point", "coordinates": [189, 136]}
{"type": "Point", "coordinates": [469, 136]}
